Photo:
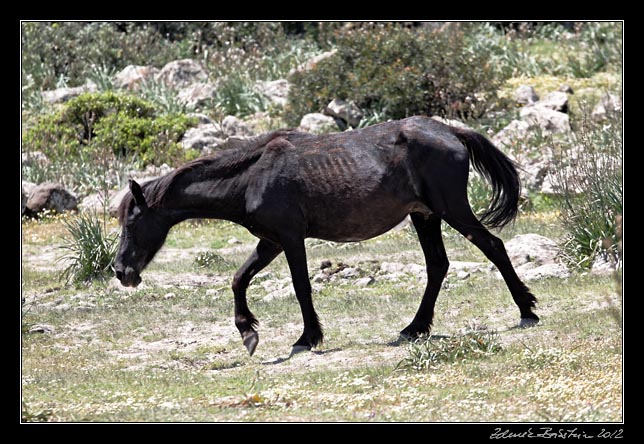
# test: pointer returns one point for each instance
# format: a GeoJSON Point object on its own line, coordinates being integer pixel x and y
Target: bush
{"type": "Point", "coordinates": [590, 178]}
{"type": "Point", "coordinates": [90, 249]}
{"type": "Point", "coordinates": [125, 125]}
{"type": "Point", "coordinates": [427, 353]}
{"type": "Point", "coordinates": [400, 71]}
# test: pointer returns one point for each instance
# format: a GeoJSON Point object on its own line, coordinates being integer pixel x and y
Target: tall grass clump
{"type": "Point", "coordinates": [90, 248]}
{"type": "Point", "coordinates": [591, 182]}
{"type": "Point", "coordinates": [428, 353]}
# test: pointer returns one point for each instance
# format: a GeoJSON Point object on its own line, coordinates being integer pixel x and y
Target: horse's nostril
{"type": "Point", "coordinates": [119, 275]}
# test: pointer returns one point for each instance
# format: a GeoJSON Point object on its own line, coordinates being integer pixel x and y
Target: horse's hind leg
{"type": "Point", "coordinates": [263, 255]}
{"type": "Point", "coordinates": [466, 223]}
{"type": "Point", "coordinates": [431, 241]}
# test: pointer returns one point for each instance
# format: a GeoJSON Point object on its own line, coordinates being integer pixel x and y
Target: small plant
{"type": "Point", "coordinates": [102, 76]}
{"type": "Point", "coordinates": [210, 259]}
{"type": "Point", "coordinates": [427, 353]}
{"type": "Point", "coordinates": [237, 96]}
{"type": "Point", "coordinates": [90, 248]}
{"type": "Point", "coordinates": [163, 97]}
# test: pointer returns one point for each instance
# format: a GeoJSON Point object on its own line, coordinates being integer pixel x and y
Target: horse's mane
{"type": "Point", "coordinates": [236, 155]}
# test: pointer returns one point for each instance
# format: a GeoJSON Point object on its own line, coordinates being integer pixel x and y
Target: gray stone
{"type": "Point", "coordinates": [23, 200]}
{"type": "Point", "coordinates": [534, 174]}
{"type": "Point", "coordinates": [556, 100]}
{"type": "Point", "coordinates": [62, 95]}
{"type": "Point", "coordinates": [555, 270]}
{"type": "Point", "coordinates": [525, 95]}
{"type": "Point", "coordinates": [415, 269]}
{"type": "Point", "coordinates": [320, 277]}
{"type": "Point", "coordinates": [95, 202]}
{"type": "Point", "coordinates": [349, 272]}
{"type": "Point", "coordinates": [391, 267]}
{"type": "Point", "coordinates": [312, 62]}
{"type": "Point", "coordinates": [317, 123]}
{"type": "Point", "coordinates": [536, 249]}
{"type": "Point", "coordinates": [365, 281]}
{"type": "Point", "coordinates": [202, 119]}
{"type": "Point", "coordinates": [346, 111]}
{"type": "Point", "coordinates": [462, 275]}
{"type": "Point", "coordinates": [609, 103]}
{"type": "Point", "coordinates": [231, 126]}
{"type": "Point", "coordinates": [204, 138]}
{"type": "Point", "coordinates": [181, 73]}
{"type": "Point", "coordinates": [516, 132]}
{"type": "Point", "coordinates": [550, 121]}
{"type": "Point", "coordinates": [602, 266]}
{"type": "Point", "coordinates": [50, 196]}
{"type": "Point", "coordinates": [452, 122]}
{"type": "Point", "coordinates": [41, 328]}
{"type": "Point", "coordinates": [132, 76]}
{"type": "Point", "coordinates": [197, 95]}
{"type": "Point", "coordinates": [276, 91]}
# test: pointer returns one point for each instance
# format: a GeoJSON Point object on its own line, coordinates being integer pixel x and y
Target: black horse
{"type": "Point", "coordinates": [285, 186]}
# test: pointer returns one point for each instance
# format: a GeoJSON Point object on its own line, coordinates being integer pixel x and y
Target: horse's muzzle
{"type": "Point", "coordinates": [128, 277]}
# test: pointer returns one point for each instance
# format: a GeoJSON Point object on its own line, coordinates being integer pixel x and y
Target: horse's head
{"type": "Point", "coordinates": [143, 232]}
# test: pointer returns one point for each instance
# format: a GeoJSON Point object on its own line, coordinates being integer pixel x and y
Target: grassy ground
{"type": "Point", "coordinates": [169, 351]}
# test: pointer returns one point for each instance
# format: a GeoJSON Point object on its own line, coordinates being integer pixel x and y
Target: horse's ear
{"type": "Point", "coordinates": [137, 193]}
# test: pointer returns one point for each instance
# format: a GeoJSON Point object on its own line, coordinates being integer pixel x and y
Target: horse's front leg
{"type": "Point", "coordinates": [296, 257]}
{"type": "Point", "coordinates": [245, 321]}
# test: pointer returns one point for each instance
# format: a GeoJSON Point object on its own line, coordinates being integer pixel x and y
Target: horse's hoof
{"type": "Point", "coordinates": [299, 349]}
{"type": "Point", "coordinates": [251, 339]}
{"type": "Point", "coordinates": [528, 322]}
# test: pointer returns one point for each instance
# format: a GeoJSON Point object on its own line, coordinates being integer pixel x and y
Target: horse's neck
{"type": "Point", "coordinates": [205, 192]}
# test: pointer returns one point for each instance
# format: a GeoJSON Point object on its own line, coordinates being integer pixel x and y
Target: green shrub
{"type": "Point", "coordinates": [126, 125]}
{"type": "Point", "coordinates": [590, 179]}
{"type": "Point", "coordinates": [91, 250]}
{"type": "Point", "coordinates": [427, 353]}
{"type": "Point", "coordinates": [401, 72]}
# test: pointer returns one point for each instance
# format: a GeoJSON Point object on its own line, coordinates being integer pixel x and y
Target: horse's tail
{"type": "Point", "coordinates": [500, 172]}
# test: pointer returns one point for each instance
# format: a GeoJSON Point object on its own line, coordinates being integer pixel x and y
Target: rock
{"type": "Point", "coordinates": [556, 100]}
{"type": "Point", "coordinates": [533, 248]}
{"type": "Point", "coordinates": [348, 273]}
{"type": "Point", "coordinates": [555, 270]}
{"type": "Point", "coordinates": [550, 121]}
{"type": "Point", "coordinates": [95, 202]}
{"type": "Point", "coordinates": [181, 73]}
{"type": "Point", "coordinates": [515, 132]}
{"type": "Point", "coordinates": [325, 264]}
{"type": "Point", "coordinates": [34, 158]}
{"type": "Point", "coordinates": [117, 197]}
{"type": "Point", "coordinates": [462, 275]}
{"type": "Point", "coordinates": [458, 266]}
{"type": "Point", "coordinates": [197, 95]}
{"type": "Point", "coordinates": [310, 64]}
{"type": "Point", "coordinates": [204, 138]}
{"type": "Point", "coordinates": [231, 126]}
{"type": "Point", "coordinates": [50, 196]}
{"type": "Point", "coordinates": [23, 200]}
{"type": "Point", "coordinates": [41, 328]}
{"type": "Point", "coordinates": [276, 91]}
{"type": "Point", "coordinates": [132, 76]}
{"type": "Point", "coordinates": [525, 95]}
{"type": "Point", "coordinates": [317, 123]}
{"type": "Point", "coordinates": [202, 119]}
{"type": "Point", "coordinates": [365, 281]}
{"type": "Point", "coordinates": [234, 241]}
{"type": "Point", "coordinates": [452, 122]}
{"type": "Point", "coordinates": [534, 174]}
{"type": "Point", "coordinates": [602, 266]}
{"type": "Point", "coordinates": [320, 277]}
{"type": "Point", "coordinates": [609, 103]}
{"type": "Point", "coordinates": [391, 267]}
{"type": "Point", "coordinates": [348, 112]}
{"type": "Point", "coordinates": [416, 269]}
{"type": "Point", "coordinates": [62, 95]}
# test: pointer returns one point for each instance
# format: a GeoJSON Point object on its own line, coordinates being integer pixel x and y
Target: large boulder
{"type": "Point", "coordinates": [535, 257]}
{"type": "Point", "coordinates": [232, 126]}
{"type": "Point", "coordinates": [515, 132]}
{"type": "Point", "coordinates": [61, 95]}
{"type": "Point", "coordinates": [525, 95]}
{"type": "Point", "coordinates": [276, 91]}
{"type": "Point", "coordinates": [609, 103]}
{"type": "Point", "coordinates": [204, 138]}
{"type": "Point", "coordinates": [197, 95]}
{"type": "Point", "coordinates": [548, 120]}
{"type": "Point", "coordinates": [50, 196]}
{"type": "Point", "coordinates": [317, 123]}
{"type": "Point", "coordinates": [182, 73]}
{"type": "Point", "coordinates": [132, 76]}
{"type": "Point", "coordinates": [348, 112]}
{"type": "Point", "coordinates": [555, 100]}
